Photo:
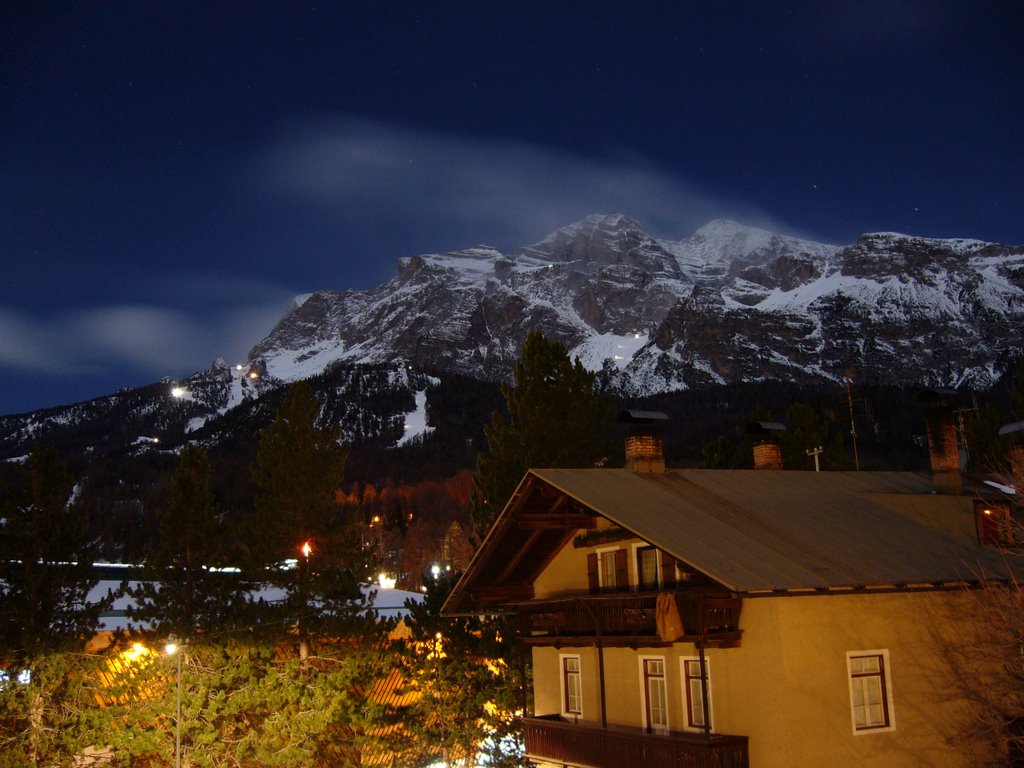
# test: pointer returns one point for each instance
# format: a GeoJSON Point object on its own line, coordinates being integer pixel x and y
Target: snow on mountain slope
{"type": "Point", "coordinates": [722, 250]}
{"type": "Point", "coordinates": [887, 307]}
{"type": "Point", "coordinates": [729, 303]}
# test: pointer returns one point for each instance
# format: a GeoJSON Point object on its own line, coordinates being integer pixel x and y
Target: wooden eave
{"type": "Point", "coordinates": [536, 523]}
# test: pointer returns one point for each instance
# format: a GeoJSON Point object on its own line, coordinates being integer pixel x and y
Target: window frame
{"type": "Point", "coordinates": [603, 571]}
{"type": "Point", "coordinates": [688, 698]}
{"type": "Point", "coordinates": [600, 571]}
{"type": "Point", "coordinates": [564, 674]}
{"type": "Point", "coordinates": [638, 571]}
{"type": "Point", "coordinates": [884, 682]}
{"type": "Point", "coordinates": [645, 694]}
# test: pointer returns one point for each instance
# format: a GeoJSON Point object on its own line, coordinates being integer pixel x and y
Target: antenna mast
{"type": "Point", "coordinates": [853, 426]}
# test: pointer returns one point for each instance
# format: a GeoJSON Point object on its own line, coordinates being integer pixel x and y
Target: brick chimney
{"type": "Point", "coordinates": [765, 437]}
{"type": "Point", "coordinates": [1015, 433]}
{"type": "Point", "coordinates": [943, 449]}
{"type": "Point", "coordinates": [645, 449]}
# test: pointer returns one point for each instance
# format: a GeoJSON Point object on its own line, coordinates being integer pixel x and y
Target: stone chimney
{"type": "Point", "coordinates": [765, 437]}
{"type": "Point", "coordinates": [943, 449]}
{"type": "Point", "coordinates": [1015, 450]}
{"type": "Point", "coordinates": [645, 450]}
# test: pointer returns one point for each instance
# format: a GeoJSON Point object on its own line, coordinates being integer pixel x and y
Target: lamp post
{"type": "Point", "coordinates": [303, 620]}
{"type": "Point", "coordinates": [173, 648]}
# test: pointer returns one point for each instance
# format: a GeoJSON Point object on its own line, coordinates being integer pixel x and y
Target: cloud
{"type": "Point", "coordinates": [466, 190]}
{"type": "Point", "coordinates": [159, 340]}
{"type": "Point", "coordinates": [388, 187]}
{"type": "Point", "coordinates": [27, 345]}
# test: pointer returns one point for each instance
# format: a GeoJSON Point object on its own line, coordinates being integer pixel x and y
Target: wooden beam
{"type": "Point", "coordinates": [508, 592]}
{"type": "Point", "coordinates": [544, 521]}
{"type": "Point", "coordinates": [517, 557]}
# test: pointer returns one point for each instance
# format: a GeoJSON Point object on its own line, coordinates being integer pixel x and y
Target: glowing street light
{"type": "Point", "coordinates": [307, 548]}
{"type": "Point", "coordinates": [173, 649]}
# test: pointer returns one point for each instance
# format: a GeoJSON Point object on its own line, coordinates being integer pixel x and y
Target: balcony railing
{"type": "Point", "coordinates": [665, 617]}
{"type": "Point", "coordinates": [555, 740]}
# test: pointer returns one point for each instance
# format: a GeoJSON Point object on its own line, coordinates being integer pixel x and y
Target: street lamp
{"type": "Point", "coordinates": [173, 649]}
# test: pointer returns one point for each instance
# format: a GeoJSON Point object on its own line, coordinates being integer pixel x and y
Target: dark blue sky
{"type": "Point", "coordinates": [173, 173]}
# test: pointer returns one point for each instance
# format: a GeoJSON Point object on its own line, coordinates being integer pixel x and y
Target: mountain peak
{"type": "Point", "coordinates": [605, 224]}
{"type": "Point", "coordinates": [604, 277]}
{"type": "Point", "coordinates": [718, 227]}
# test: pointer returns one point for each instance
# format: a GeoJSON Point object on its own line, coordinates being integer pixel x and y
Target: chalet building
{"type": "Point", "coordinates": [735, 618]}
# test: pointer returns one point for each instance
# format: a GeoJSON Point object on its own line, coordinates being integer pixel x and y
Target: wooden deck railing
{"type": "Point", "coordinates": [670, 616]}
{"type": "Point", "coordinates": [555, 740]}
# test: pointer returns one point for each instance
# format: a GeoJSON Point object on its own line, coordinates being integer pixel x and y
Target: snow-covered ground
{"type": "Point", "coordinates": [387, 602]}
{"type": "Point", "coordinates": [416, 422]}
{"type": "Point", "coordinates": [609, 346]}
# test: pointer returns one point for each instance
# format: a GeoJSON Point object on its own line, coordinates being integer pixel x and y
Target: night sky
{"type": "Point", "coordinates": [173, 172]}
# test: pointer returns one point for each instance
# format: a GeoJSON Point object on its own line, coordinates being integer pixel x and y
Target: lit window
{"type": "Point", "coordinates": [693, 686]}
{"type": "Point", "coordinates": [655, 694]}
{"type": "Point", "coordinates": [647, 568]}
{"type": "Point", "coordinates": [572, 697]}
{"type": "Point", "coordinates": [996, 525]}
{"type": "Point", "coordinates": [870, 691]}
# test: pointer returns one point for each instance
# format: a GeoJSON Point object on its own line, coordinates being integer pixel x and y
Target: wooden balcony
{"type": "Point", "coordinates": [633, 619]}
{"type": "Point", "coordinates": [552, 739]}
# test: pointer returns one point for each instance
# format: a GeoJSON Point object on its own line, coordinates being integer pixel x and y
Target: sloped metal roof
{"type": "Point", "coordinates": [754, 530]}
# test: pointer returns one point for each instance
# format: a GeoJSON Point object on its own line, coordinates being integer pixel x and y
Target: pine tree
{"type": "Point", "coordinates": [555, 419]}
{"type": "Point", "coordinates": [189, 585]}
{"type": "Point", "coordinates": [805, 430]}
{"type": "Point", "coordinates": [47, 720]}
{"type": "Point", "coordinates": [46, 559]}
{"type": "Point", "coordinates": [987, 449]}
{"type": "Point", "coordinates": [46, 576]}
{"type": "Point", "coordinates": [244, 701]}
{"type": "Point", "coordinates": [467, 677]}
{"type": "Point", "coordinates": [298, 470]}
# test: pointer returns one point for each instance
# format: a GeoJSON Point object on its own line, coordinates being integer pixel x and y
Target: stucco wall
{"type": "Point", "coordinates": [787, 688]}
{"type": "Point", "coordinates": [567, 572]}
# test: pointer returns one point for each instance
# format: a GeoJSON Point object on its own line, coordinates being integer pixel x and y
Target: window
{"type": "Point", "coordinates": [996, 526]}
{"type": "Point", "coordinates": [693, 687]}
{"type": "Point", "coordinates": [608, 570]}
{"type": "Point", "coordinates": [606, 567]}
{"type": "Point", "coordinates": [655, 694]}
{"type": "Point", "coordinates": [647, 568]}
{"type": "Point", "coordinates": [870, 691]}
{"type": "Point", "coordinates": [572, 695]}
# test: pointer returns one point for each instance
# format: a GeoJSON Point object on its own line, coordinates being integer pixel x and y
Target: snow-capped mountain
{"type": "Point", "coordinates": [729, 303]}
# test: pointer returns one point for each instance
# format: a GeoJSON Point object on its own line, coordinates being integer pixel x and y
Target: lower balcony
{"type": "Point", "coordinates": [555, 740]}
